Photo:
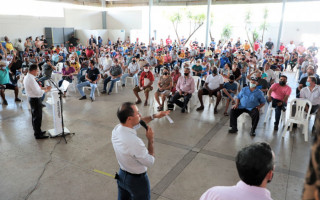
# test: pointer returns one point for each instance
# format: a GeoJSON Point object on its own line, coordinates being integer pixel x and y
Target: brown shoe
{"type": "Point", "coordinates": [138, 101]}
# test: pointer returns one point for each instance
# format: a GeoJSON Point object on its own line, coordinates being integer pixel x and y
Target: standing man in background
{"type": "Point", "coordinates": [132, 155]}
{"type": "Point", "coordinates": [34, 93]}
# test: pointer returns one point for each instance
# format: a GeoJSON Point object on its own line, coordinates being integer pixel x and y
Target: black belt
{"type": "Point", "coordinates": [136, 175]}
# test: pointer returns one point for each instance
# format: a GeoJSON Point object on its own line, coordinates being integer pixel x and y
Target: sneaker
{"type": "Point", "coordinates": [83, 97]}
{"type": "Point", "coordinates": [109, 93]}
{"type": "Point", "coordinates": [104, 92]}
{"type": "Point", "coordinates": [18, 100]}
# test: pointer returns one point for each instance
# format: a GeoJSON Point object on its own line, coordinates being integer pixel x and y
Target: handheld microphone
{"type": "Point", "coordinates": [143, 123]}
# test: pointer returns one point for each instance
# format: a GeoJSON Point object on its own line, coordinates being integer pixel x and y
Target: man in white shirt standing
{"type": "Point", "coordinates": [213, 85]}
{"type": "Point", "coordinates": [132, 155]}
{"type": "Point", "coordinates": [34, 93]}
{"type": "Point", "coordinates": [133, 70]}
{"type": "Point", "coordinates": [291, 46]}
{"type": "Point", "coordinates": [255, 166]}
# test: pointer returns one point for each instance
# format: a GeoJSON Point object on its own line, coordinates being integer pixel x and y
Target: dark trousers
{"type": "Point", "coordinates": [278, 109]}
{"type": "Point", "coordinates": [235, 113]}
{"type": "Point", "coordinates": [36, 112]}
{"type": "Point", "coordinates": [133, 186]}
{"type": "Point", "coordinates": [157, 69]}
{"type": "Point", "coordinates": [177, 96]}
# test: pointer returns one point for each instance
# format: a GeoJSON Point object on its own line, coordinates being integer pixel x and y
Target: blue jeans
{"type": "Point", "coordinates": [133, 187]}
{"type": "Point", "coordinates": [278, 109]}
{"type": "Point", "coordinates": [80, 73]}
{"type": "Point", "coordinates": [135, 77]}
{"type": "Point", "coordinates": [87, 83]}
{"type": "Point", "coordinates": [106, 81]}
{"type": "Point", "coordinates": [243, 79]}
{"type": "Point", "coordinates": [42, 79]}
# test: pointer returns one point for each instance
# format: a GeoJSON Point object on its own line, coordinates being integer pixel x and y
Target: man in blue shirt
{"type": "Point", "coordinates": [249, 100]}
{"type": "Point", "coordinates": [223, 60]}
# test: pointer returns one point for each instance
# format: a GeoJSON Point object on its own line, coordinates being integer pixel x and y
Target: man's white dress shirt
{"type": "Point", "coordinates": [131, 152]}
{"type": "Point", "coordinates": [31, 86]}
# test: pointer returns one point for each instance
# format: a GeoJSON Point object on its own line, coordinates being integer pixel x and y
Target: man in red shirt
{"type": "Point", "coordinates": [167, 59]}
{"type": "Point", "coordinates": [168, 41]}
{"type": "Point", "coordinates": [256, 45]}
{"type": "Point", "coordinates": [89, 52]}
{"type": "Point", "coordinates": [145, 84]}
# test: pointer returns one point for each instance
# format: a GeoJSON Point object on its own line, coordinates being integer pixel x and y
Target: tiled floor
{"type": "Point", "coordinates": [192, 155]}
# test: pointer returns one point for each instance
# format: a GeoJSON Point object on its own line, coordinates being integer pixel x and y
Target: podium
{"type": "Point", "coordinates": [57, 115]}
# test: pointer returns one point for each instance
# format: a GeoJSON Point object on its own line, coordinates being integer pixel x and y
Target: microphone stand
{"type": "Point", "coordinates": [61, 110]}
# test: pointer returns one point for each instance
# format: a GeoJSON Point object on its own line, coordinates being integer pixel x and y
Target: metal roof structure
{"type": "Point", "coordinates": [128, 3]}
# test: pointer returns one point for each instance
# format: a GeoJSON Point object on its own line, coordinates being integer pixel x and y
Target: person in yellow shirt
{"type": "Point", "coordinates": [246, 45]}
{"type": "Point", "coordinates": [9, 45]}
{"type": "Point", "coordinates": [74, 64]}
{"type": "Point", "coordinates": [160, 62]}
{"type": "Point", "coordinates": [208, 53]}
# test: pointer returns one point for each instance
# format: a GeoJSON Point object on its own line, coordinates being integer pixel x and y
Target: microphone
{"type": "Point", "coordinates": [143, 123]}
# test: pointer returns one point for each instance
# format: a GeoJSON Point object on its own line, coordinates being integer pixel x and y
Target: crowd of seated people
{"type": "Point", "coordinates": [230, 71]}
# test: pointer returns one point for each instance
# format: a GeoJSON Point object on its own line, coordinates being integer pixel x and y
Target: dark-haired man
{"type": "Point", "coordinates": [255, 166]}
{"type": "Point", "coordinates": [278, 95]}
{"type": "Point", "coordinates": [35, 93]}
{"type": "Point", "coordinates": [145, 84]}
{"type": "Point", "coordinates": [212, 86]}
{"type": "Point", "coordinates": [92, 77]}
{"type": "Point", "coordinates": [132, 155]}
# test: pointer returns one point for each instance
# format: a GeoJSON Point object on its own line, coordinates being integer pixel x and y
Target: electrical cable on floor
{"type": "Point", "coordinates": [44, 169]}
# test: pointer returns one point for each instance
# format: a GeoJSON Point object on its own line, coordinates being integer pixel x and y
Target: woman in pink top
{"type": "Point", "coordinates": [67, 74]}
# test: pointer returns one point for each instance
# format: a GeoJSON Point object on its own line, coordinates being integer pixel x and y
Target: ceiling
{"type": "Point", "coordinates": [121, 3]}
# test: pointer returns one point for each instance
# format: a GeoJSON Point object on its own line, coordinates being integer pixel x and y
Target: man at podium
{"type": "Point", "coordinates": [34, 93]}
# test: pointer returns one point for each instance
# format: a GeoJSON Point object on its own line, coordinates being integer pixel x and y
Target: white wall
{"type": "Point", "coordinates": [83, 19]}
{"type": "Point", "coordinates": [24, 26]}
{"type": "Point", "coordinates": [124, 19]}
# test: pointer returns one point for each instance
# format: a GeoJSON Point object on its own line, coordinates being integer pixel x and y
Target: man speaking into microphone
{"type": "Point", "coordinates": [34, 93]}
{"type": "Point", "coordinates": [132, 155]}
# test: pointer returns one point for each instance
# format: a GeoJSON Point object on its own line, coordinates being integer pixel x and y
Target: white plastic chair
{"type": "Point", "coordinates": [269, 114]}
{"type": "Point", "coordinates": [277, 73]}
{"type": "Point", "coordinates": [89, 88]}
{"type": "Point", "coordinates": [300, 117]}
{"type": "Point", "coordinates": [197, 82]}
{"type": "Point", "coordinates": [132, 80]}
{"type": "Point", "coordinates": [117, 84]}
